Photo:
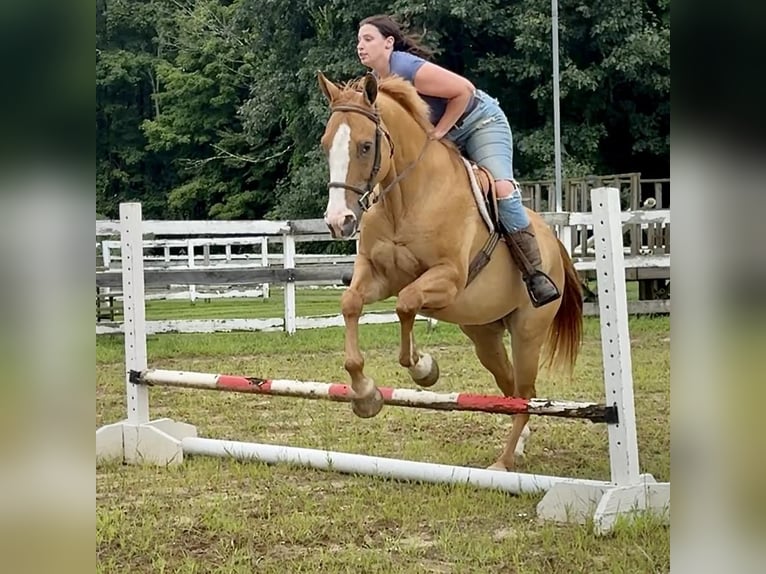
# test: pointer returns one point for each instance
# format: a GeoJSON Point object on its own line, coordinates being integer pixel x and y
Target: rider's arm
{"type": "Point", "coordinates": [433, 80]}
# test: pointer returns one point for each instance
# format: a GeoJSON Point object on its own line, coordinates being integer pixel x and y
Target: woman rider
{"type": "Point", "coordinates": [468, 117]}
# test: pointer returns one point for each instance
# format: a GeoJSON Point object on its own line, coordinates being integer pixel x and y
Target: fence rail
{"type": "Point", "coordinates": [313, 269]}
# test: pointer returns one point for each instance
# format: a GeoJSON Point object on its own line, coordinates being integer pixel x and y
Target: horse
{"type": "Point", "coordinates": [419, 228]}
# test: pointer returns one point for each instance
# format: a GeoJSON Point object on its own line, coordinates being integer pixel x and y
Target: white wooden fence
{"type": "Point", "coordinates": [229, 270]}
{"type": "Point", "coordinates": [193, 252]}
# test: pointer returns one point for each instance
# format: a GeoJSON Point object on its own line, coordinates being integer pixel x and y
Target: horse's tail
{"type": "Point", "coordinates": [565, 335]}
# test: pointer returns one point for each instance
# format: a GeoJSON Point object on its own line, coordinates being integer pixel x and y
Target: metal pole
{"type": "Point", "coordinates": [558, 203]}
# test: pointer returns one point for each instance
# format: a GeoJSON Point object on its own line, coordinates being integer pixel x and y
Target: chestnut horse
{"type": "Point", "coordinates": [420, 231]}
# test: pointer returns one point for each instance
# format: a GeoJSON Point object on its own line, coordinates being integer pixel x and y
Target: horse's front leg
{"type": "Point", "coordinates": [435, 289]}
{"type": "Point", "coordinates": [366, 287]}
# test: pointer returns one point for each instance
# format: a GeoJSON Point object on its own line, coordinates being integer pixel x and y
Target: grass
{"type": "Point", "coordinates": [212, 515]}
{"type": "Point", "coordinates": [309, 302]}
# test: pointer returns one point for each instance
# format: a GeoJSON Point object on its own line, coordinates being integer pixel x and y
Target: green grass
{"type": "Point", "coordinates": [309, 302]}
{"type": "Point", "coordinates": [212, 515]}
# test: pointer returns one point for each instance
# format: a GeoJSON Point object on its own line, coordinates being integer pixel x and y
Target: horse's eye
{"type": "Point", "coordinates": [365, 147]}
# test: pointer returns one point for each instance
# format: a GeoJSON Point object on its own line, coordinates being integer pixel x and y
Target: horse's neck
{"type": "Point", "coordinates": [409, 140]}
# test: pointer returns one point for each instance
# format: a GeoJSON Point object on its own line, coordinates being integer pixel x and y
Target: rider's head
{"type": "Point", "coordinates": [380, 35]}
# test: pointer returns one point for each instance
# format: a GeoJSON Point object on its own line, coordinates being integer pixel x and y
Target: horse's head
{"type": "Point", "coordinates": [358, 154]}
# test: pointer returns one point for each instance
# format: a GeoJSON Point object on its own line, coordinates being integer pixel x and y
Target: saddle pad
{"type": "Point", "coordinates": [479, 196]}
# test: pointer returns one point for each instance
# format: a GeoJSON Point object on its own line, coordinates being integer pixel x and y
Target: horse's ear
{"type": "Point", "coordinates": [329, 89]}
{"type": "Point", "coordinates": [370, 88]}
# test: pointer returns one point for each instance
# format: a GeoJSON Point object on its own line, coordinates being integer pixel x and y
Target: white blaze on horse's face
{"type": "Point", "coordinates": [338, 217]}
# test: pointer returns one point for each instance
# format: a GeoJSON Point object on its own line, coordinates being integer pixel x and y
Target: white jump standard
{"type": "Point", "coordinates": [137, 439]}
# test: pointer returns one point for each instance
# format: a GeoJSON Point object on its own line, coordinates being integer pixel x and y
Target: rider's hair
{"type": "Point", "coordinates": [403, 41]}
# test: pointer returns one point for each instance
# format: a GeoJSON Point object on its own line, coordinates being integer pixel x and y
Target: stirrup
{"type": "Point", "coordinates": [548, 285]}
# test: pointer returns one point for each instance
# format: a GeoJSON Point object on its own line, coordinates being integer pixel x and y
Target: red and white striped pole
{"type": "Point", "coordinates": [397, 397]}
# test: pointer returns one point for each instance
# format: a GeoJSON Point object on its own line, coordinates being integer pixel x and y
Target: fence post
{"type": "Point", "coordinates": [206, 254]}
{"type": "Point", "coordinates": [289, 263]}
{"type": "Point", "coordinates": [565, 236]}
{"type": "Point", "coordinates": [106, 255]}
{"type": "Point", "coordinates": [190, 261]}
{"type": "Point", "coordinates": [106, 259]}
{"type": "Point", "coordinates": [537, 200]}
{"type": "Point", "coordinates": [265, 263]}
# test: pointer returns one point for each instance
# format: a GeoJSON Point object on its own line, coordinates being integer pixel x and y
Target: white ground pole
{"type": "Point", "coordinates": [629, 491]}
{"type": "Point", "coordinates": [165, 441]}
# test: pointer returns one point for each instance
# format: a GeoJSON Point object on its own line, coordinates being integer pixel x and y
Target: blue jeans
{"type": "Point", "coordinates": [485, 137]}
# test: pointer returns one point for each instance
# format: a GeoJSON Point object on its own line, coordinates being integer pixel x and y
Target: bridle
{"type": "Point", "coordinates": [365, 201]}
{"type": "Point", "coordinates": [364, 194]}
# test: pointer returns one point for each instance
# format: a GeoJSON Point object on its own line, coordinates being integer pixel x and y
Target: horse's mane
{"type": "Point", "coordinates": [403, 93]}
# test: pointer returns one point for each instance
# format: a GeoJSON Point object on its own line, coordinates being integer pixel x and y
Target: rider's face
{"type": "Point", "coordinates": [371, 47]}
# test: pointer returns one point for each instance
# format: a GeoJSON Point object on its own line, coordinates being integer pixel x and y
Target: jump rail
{"type": "Point", "coordinates": [593, 412]}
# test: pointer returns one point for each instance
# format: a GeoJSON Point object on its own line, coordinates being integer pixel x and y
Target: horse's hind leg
{"type": "Point", "coordinates": [528, 328]}
{"type": "Point", "coordinates": [489, 345]}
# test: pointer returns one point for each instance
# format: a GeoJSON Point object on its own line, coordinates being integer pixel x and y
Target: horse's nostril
{"type": "Point", "coordinates": [349, 225]}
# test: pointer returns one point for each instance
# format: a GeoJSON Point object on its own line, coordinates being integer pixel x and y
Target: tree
{"type": "Point", "coordinates": [210, 108]}
{"type": "Point", "coordinates": [127, 52]}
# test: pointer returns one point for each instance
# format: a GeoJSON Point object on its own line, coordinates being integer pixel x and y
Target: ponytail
{"type": "Point", "coordinates": [403, 42]}
{"type": "Point", "coordinates": [411, 44]}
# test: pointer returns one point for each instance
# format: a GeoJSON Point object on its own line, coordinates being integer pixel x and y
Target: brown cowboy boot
{"type": "Point", "coordinates": [526, 254]}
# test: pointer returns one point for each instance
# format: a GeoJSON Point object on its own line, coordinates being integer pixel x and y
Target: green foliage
{"type": "Point", "coordinates": [210, 108]}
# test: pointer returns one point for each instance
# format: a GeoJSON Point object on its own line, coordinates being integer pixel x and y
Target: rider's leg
{"type": "Point", "coordinates": [516, 224]}
{"type": "Point", "coordinates": [487, 139]}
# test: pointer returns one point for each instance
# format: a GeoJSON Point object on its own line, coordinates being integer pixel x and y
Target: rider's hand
{"type": "Point", "coordinates": [436, 134]}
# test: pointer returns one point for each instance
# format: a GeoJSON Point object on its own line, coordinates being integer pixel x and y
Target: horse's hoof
{"type": "Point", "coordinates": [498, 466]}
{"type": "Point", "coordinates": [425, 373]}
{"type": "Point", "coordinates": [369, 407]}
{"type": "Point", "coordinates": [525, 434]}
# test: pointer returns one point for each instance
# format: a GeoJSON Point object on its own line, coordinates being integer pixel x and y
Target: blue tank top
{"type": "Point", "coordinates": [406, 65]}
